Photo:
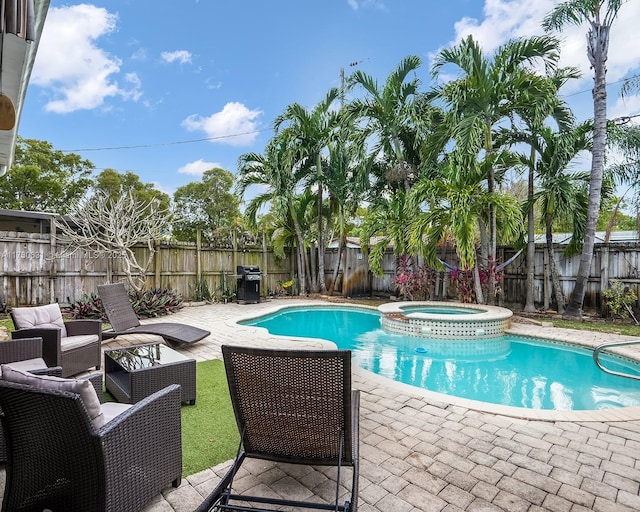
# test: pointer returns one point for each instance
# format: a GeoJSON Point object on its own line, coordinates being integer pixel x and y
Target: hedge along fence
{"type": "Point", "coordinates": [29, 273]}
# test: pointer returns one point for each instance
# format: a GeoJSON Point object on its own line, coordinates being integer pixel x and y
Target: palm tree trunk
{"type": "Point", "coordinates": [529, 306]}
{"type": "Point", "coordinates": [477, 285]}
{"type": "Point", "coordinates": [341, 245]}
{"type": "Point", "coordinates": [302, 278]}
{"type": "Point", "coordinates": [598, 42]}
{"type": "Point", "coordinates": [322, 285]}
{"type": "Point", "coordinates": [482, 258]}
{"type": "Point", "coordinates": [555, 276]}
{"type": "Point", "coordinates": [313, 268]}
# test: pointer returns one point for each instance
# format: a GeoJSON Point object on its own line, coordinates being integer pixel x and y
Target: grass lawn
{"type": "Point", "coordinates": [209, 432]}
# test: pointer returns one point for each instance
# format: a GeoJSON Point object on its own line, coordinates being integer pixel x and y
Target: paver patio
{"type": "Point", "coordinates": [423, 452]}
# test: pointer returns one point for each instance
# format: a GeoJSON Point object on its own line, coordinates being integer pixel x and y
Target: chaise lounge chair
{"type": "Point", "coordinates": [123, 320]}
{"type": "Point", "coordinates": [291, 406]}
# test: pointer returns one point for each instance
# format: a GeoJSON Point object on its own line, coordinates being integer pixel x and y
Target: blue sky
{"type": "Point", "coordinates": [149, 77]}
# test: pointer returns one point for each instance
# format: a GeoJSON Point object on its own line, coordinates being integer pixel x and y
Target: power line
{"type": "Point", "coordinates": [221, 137]}
{"type": "Point", "coordinates": [140, 146]}
{"type": "Point", "coordinates": [608, 84]}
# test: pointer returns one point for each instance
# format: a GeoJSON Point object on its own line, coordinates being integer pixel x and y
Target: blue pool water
{"type": "Point", "coordinates": [511, 370]}
{"type": "Point", "coordinates": [440, 310]}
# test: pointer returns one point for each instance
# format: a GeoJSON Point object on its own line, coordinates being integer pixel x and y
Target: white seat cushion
{"type": "Point", "coordinates": [27, 365]}
{"type": "Point", "coordinates": [112, 409]}
{"type": "Point", "coordinates": [44, 317]}
{"type": "Point", "coordinates": [82, 387]}
{"type": "Point", "coordinates": [71, 342]}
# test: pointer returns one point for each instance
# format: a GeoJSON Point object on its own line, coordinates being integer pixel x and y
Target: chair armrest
{"type": "Point", "coordinates": [20, 349]}
{"type": "Point", "coordinates": [53, 371]}
{"type": "Point", "coordinates": [96, 381]}
{"type": "Point", "coordinates": [51, 351]}
{"type": "Point", "coordinates": [144, 443]}
{"type": "Point", "coordinates": [83, 326]}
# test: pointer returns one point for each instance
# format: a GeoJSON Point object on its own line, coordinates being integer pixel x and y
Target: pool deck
{"type": "Point", "coordinates": [420, 451]}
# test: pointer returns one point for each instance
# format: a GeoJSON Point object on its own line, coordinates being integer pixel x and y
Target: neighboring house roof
{"type": "Point", "coordinates": [24, 221]}
{"type": "Point", "coordinates": [20, 35]}
{"type": "Point", "coordinates": [616, 237]}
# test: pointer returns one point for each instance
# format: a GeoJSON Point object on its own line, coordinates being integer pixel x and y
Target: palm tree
{"type": "Point", "coordinates": [388, 113]}
{"type": "Point", "coordinates": [347, 181]}
{"type": "Point", "coordinates": [489, 92]}
{"type": "Point", "coordinates": [561, 194]}
{"type": "Point", "coordinates": [532, 118]}
{"type": "Point", "coordinates": [599, 14]}
{"type": "Point", "coordinates": [311, 131]}
{"type": "Point", "coordinates": [457, 204]}
{"type": "Point", "coordinates": [275, 170]}
{"type": "Point", "coordinates": [386, 224]}
{"type": "Point", "coordinates": [626, 139]}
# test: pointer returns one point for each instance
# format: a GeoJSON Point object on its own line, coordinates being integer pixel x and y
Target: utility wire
{"type": "Point", "coordinates": [221, 137]}
{"type": "Point", "coordinates": [174, 143]}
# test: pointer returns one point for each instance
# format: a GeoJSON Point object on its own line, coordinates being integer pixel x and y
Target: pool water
{"type": "Point", "coordinates": [510, 370]}
{"type": "Point", "coordinates": [439, 310]}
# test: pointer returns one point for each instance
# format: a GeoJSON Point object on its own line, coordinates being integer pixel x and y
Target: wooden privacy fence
{"type": "Point", "coordinates": [31, 274]}
{"type": "Point", "coordinates": [36, 270]}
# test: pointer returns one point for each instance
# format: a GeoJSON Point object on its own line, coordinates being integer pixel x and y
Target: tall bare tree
{"type": "Point", "coordinates": [108, 227]}
{"type": "Point", "coordinates": [599, 15]}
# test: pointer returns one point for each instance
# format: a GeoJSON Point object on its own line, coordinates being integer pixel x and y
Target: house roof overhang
{"type": "Point", "coordinates": [18, 55]}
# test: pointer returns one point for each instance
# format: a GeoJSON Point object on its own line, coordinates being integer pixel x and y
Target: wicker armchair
{"type": "Point", "coordinates": [291, 406]}
{"type": "Point", "coordinates": [25, 354]}
{"type": "Point", "coordinates": [59, 459]}
{"type": "Point", "coordinates": [74, 345]}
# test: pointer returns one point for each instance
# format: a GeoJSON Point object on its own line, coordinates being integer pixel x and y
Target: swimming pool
{"type": "Point", "coordinates": [509, 370]}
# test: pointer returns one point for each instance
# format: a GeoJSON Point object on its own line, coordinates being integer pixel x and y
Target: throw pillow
{"type": "Point", "coordinates": [82, 387]}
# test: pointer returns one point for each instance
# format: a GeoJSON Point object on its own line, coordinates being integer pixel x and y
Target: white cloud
{"type": "Point", "coordinates": [235, 124]}
{"type": "Point", "coordinates": [182, 56]}
{"type": "Point", "coordinates": [625, 107]}
{"type": "Point", "coordinates": [357, 4]}
{"type": "Point", "coordinates": [78, 74]}
{"type": "Point", "coordinates": [198, 167]}
{"type": "Point", "coordinates": [139, 54]}
{"type": "Point", "coordinates": [508, 19]}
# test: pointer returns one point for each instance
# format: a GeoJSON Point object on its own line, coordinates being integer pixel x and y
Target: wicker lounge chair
{"type": "Point", "coordinates": [293, 407]}
{"type": "Point", "coordinates": [59, 459]}
{"type": "Point", "coordinates": [74, 345]}
{"type": "Point", "coordinates": [123, 319]}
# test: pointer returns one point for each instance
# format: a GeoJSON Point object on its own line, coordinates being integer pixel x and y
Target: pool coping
{"type": "Point", "coordinates": [577, 338]}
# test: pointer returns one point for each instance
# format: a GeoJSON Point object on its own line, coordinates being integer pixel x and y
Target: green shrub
{"type": "Point", "coordinates": [146, 304]}
{"type": "Point", "coordinates": [201, 291]}
{"type": "Point", "coordinates": [90, 306]}
{"type": "Point", "coordinates": [155, 302]}
{"type": "Point", "coordinates": [619, 299]}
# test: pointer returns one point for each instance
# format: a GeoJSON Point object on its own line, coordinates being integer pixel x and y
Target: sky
{"type": "Point", "coordinates": [169, 90]}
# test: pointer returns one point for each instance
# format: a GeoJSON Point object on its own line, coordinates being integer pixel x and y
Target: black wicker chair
{"type": "Point", "coordinates": [294, 407]}
{"type": "Point", "coordinates": [58, 460]}
{"type": "Point", "coordinates": [123, 319]}
{"type": "Point", "coordinates": [74, 345]}
{"type": "Point", "coordinates": [25, 354]}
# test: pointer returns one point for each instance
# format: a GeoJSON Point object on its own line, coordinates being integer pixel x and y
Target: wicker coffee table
{"type": "Point", "coordinates": [133, 373]}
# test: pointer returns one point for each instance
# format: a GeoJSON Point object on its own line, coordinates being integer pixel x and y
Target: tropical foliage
{"type": "Point", "coordinates": [407, 169]}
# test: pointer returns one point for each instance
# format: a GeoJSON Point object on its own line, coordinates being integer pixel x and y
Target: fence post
{"type": "Point", "coordinates": [198, 256]}
{"type": "Point", "coordinates": [604, 274]}
{"type": "Point", "coordinates": [157, 267]}
{"type": "Point", "coordinates": [53, 250]}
